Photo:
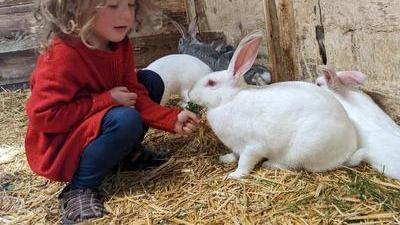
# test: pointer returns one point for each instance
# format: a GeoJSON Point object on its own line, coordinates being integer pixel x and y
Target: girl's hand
{"type": "Point", "coordinates": [121, 95]}
{"type": "Point", "coordinates": [187, 123]}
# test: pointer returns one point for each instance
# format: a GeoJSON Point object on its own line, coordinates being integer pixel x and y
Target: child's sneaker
{"type": "Point", "coordinates": [143, 159]}
{"type": "Point", "coordinates": [80, 204]}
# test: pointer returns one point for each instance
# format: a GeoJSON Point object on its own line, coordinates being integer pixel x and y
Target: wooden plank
{"type": "Point", "coordinates": [15, 67]}
{"type": "Point", "coordinates": [147, 49]}
{"type": "Point", "coordinates": [273, 38]}
{"type": "Point", "coordinates": [173, 9]}
{"type": "Point", "coordinates": [16, 24]}
{"type": "Point", "coordinates": [5, 3]}
{"type": "Point", "coordinates": [287, 39]}
{"type": "Point", "coordinates": [281, 35]}
{"type": "Point", "coordinates": [191, 10]}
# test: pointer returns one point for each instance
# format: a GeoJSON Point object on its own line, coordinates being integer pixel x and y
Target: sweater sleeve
{"type": "Point", "coordinates": [155, 115]}
{"type": "Point", "coordinates": [53, 106]}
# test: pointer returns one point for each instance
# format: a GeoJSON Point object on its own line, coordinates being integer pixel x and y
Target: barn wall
{"type": "Point", "coordinates": [358, 35]}
{"type": "Point", "coordinates": [361, 35]}
{"type": "Point", "coordinates": [232, 17]}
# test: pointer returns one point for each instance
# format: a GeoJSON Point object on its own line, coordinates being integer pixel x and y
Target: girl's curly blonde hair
{"type": "Point", "coordinates": [74, 19]}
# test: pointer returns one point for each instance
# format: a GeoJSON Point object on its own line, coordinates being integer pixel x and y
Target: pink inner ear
{"type": "Point", "coordinates": [193, 29]}
{"type": "Point", "coordinates": [352, 77]}
{"type": "Point", "coordinates": [246, 57]}
{"type": "Point", "coordinates": [329, 74]}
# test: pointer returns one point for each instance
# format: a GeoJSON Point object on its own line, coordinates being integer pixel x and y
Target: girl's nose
{"type": "Point", "coordinates": [127, 13]}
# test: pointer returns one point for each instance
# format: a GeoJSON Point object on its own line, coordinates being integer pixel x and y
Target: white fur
{"type": "Point", "coordinates": [178, 72]}
{"type": "Point", "coordinates": [379, 135]}
{"type": "Point", "coordinates": [293, 124]}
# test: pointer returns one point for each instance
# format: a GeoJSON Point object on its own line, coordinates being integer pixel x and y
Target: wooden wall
{"type": "Point", "coordinates": [17, 55]}
{"type": "Point", "coordinates": [236, 18]}
{"type": "Point", "coordinates": [361, 35]}
{"type": "Point", "coordinates": [300, 34]}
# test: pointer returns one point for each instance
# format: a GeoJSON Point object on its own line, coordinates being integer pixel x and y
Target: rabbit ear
{"type": "Point", "coordinates": [352, 78]}
{"type": "Point", "coordinates": [329, 73]}
{"type": "Point", "coordinates": [245, 54]}
{"type": "Point", "coordinates": [193, 28]}
{"type": "Point", "coordinates": [180, 28]}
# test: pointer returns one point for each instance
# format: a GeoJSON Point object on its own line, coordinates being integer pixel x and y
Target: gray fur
{"type": "Point", "coordinates": [217, 54]}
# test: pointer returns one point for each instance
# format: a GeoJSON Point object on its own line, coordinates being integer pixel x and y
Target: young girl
{"type": "Point", "coordinates": [88, 109]}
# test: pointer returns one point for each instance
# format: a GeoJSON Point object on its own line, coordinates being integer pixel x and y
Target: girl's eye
{"type": "Point", "coordinates": [113, 6]}
{"type": "Point", "coordinates": [132, 5]}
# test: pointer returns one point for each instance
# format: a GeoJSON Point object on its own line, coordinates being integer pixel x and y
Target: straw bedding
{"type": "Point", "coordinates": [192, 188]}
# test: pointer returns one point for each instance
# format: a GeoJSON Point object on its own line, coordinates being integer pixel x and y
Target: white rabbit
{"type": "Point", "coordinates": [292, 124]}
{"type": "Point", "coordinates": [379, 135]}
{"type": "Point", "coordinates": [178, 72]}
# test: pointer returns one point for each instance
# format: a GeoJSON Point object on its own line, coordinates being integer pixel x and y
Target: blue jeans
{"type": "Point", "coordinates": [122, 131]}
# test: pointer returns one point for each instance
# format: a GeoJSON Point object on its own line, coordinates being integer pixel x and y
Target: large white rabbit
{"type": "Point", "coordinates": [292, 124]}
{"type": "Point", "coordinates": [178, 72]}
{"type": "Point", "coordinates": [379, 135]}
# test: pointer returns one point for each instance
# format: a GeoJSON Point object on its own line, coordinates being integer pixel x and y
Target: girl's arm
{"type": "Point", "coordinates": [53, 107]}
{"type": "Point", "coordinates": [153, 114]}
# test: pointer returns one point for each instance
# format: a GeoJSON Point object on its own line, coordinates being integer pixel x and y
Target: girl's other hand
{"type": "Point", "coordinates": [123, 96]}
{"type": "Point", "coordinates": [187, 123]}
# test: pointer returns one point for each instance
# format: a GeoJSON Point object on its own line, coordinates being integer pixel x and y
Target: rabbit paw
{"type": "Point", "coordinates": [237, 175]}
{"type": "Point", "coordinates": [228, 158]}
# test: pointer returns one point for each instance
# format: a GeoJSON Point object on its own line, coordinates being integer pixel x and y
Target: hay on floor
{"type": "Point", "coordinates": [192, 187]}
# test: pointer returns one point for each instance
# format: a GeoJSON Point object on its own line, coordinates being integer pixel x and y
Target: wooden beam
{"type": "Point", "coordinates": [190, 10]}
{"type": "Point", "coordinates": [279, 18]}
{"type": "Point", "coordinates": [147, 49]}
{"type": "Point", "coordinates": [273, 37]}
{"type": "Point", "coordinates": [6, 3]}
{"type": "Point", "coordinates": [15, 67]}
{"type": "Point", "coordinates": [288, 39]}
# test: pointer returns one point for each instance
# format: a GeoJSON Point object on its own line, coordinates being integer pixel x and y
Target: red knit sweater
{"type": "Point", "coordinates": [70, 96]}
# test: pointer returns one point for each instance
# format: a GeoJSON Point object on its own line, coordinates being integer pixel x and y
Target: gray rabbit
{"type": "Point", "coordinates": [217, 54]}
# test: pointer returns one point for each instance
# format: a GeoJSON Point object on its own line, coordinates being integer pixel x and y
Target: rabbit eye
{"type": "Point", "coordinates": [211, 83]}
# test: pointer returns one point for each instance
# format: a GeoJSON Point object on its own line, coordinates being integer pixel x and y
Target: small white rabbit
{"type": "Point", "coordinates": [292, 124]}
{"type": "Point", "coordinates": [379, 135]}
{"type": "Point", "coordinates": [178, 72]}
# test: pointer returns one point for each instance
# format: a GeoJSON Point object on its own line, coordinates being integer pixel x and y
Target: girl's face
{"type": "Point", "coordinates": [113, 22]}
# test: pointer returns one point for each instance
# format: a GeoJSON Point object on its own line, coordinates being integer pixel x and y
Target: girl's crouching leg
{"type": "Point", "coordinates": [122, 129]}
